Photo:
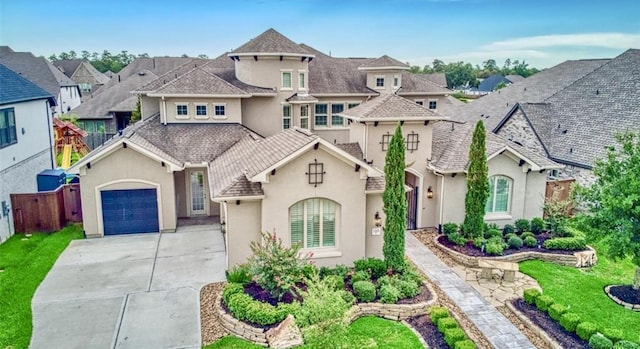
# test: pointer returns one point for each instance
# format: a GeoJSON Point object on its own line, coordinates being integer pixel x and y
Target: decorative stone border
{"type": "Point", "coordinates": [577, 259]}
{"type": "Point", "coordinates": [533, 327]}
{"type": "Point", "coordinates": [396, 312]}
{"type": "Point", "coordinates": [633, 307]}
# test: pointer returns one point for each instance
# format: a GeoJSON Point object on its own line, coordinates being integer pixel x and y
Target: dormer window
{"type": "Point", "coordinates": [219, 111]}
{"type": "Point", "coordinates": [380, 81]}
{"type": "Point", "coordinates": [286, 80]}
{"type": "Point", "coordinates": [201, 111]}
{"type": "Point", "coordinates": [433, 104]}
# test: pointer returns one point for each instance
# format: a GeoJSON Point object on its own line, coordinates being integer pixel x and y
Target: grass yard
{"type": "Point", "coordinates": [583, 290]}
{"type": "Point", "coordinates": [25, 263]}
{"type": "Point", "coordinates": [366, 332]}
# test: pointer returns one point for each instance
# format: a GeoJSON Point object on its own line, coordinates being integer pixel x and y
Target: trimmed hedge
{"type": "Point", "coordinates": [389, 294]}
{"type": "Point", "coordinates": [446, 323]}
{"type": "Point", "coordinates": [449, 228]}
{"type": "Point", "coordinates": [569, 321]}
{"type": "Point", "coordinates": [568, 243]}
{"type": "Point", "coordinates": [360, 275]}
{"type": "Point", "coordinates": [508, 228]}
{"type": "Point", "coordinates": [527, 233]}
{"type": "Point", "coordinates": [586, 329]}
{"type": "Point", "coordinates": [453, 335]}
{"type": "Point", "coordinates": [530, 241]}
{"type": "Point", "coordinates": [245, 308]}
{"type": "Point", "coordinates": [599, 341]}
{"type": "Point", "coordinates": [537, 225]}
{"type": "Point", "coordinates": [365, 291]}
{"type": "Point", "coordinates": [624, 344]}
{"type": "Point", "coordinates": [556, 311]}
{"type": "Point", "coordinates": [515, 242]}
{"type": "Point", "coordinates": [230, 289]}
{"type": "Point", "coordinates": [523, 225]}
{"type": "Point", "coordinates": [615, 334]}
{"type": "Point", "coordinates": [530, 295]}
{"type": "Point", "coordinates": [544, 302]}
{"type": "Point", "coordinates": [493, 233]}
{"type": "Point", "coordinates": [437, 313]}
{"type": "Point", "coordinates": [465, 344]}
{"type": "Point", "coordinates": [457, 239]}
{"type": "Point", "coordinates": [376, 267]}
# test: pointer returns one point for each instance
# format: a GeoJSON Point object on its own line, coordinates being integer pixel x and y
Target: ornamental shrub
{"type": "Point", "coordinates": [479, 242]}
{"type": "Point", "coordinates": [408, 287]}
{"type": "Point", "coordinates": [523, 225]}
{"type": "Point", "coordinates": [586, 329]}
{"type": "Point", "coordinates": [410, 273]}
{"type": "Point", "coordinates": [394, 201]}
{"type": "Point", "coordinates": [530, 241]}
{"type": "Point", "coordinates": [376, 267]}
{"type": "Point", "coordinates": [568, 243]}
{"type": "Point", "coordinates": [615, 334]}
{"type": "Point", "coordinates": [508, 229]}
{"type": "Point", "coordinates": [437, 313]}
{"type": "Point", "coordinates": [543, 302]}
{"type": "Point", "coordinates": [509, 236]}
{"type": "Point", "coordinates": [446, 322]}
{"type": "Point", "coordinates": [477, 185]}
{"type": "Point", "coordinates": [239, 274]}
{"type": "Point", "coordinates": [361, 275]}
{"type": "Point", "coordinates": [556, 310]}
{"type": "Point", "coordinates": [530, 295]}
{"type": "Point", "coordinates": [494, 247]}
{"type": "Point", "coordinates": [599, 341]}
{"type": "Point", "coordinates": [365, 291]}
{"type": "Point", "coordinates": [334, 282]}
{"type": "Point", "coordinates": [457, 239]}
{"type": "Point", "coordinates": [537, 225]}
{"type": "Point", "coordinates": [230, 289]}
{"type": "Point", "coordinates": [624, 344]}
{"type": "Point", "coordinates": [464, 344]}
{"type": "Point", "coordinates": [453, 335]}
{"type": "Point", "coordinates": [525, 234]}
{"type": "Point", "coordinates": [389, 294]}
{"type": "Point", "coordinates": [245, 308]}
{"type": "Point", "coordinates": [570, 321]}
{"type": "Point", "coordinates": [322, 302]}
{"type": "Point", "coordinates": [449, 228]}
{"type": "Point", "coordinates": [493, 233]}
{"type": "Point", "coordinates": [515, 242]}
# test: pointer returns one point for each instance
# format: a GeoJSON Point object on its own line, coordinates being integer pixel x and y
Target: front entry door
{"type": "Point", "coordinates": [198, 193]}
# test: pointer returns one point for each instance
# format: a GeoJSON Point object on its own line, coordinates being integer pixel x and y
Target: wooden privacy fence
{"type": "Point", "coordinates": [46, 211]}
{"type": "Point", "coordinates": [560, 190]}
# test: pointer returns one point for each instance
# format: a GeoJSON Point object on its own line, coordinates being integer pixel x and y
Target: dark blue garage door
{"type": "Point", "coordinates": [130, 211]}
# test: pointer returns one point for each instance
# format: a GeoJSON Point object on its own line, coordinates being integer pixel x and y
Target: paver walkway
{"type": "Point", "coordinates": [500, 332]}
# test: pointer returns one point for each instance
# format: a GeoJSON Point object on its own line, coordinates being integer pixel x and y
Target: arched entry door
{"type": "Point", "coordinates": [412, 181]}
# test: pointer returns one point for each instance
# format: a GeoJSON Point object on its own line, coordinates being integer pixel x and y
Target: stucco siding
{"type": "Point", "coordinates": [126, 169]}
{"type": "Point", "coordinates": [455, 189]}
{"type": "Point", "coordinates": [262, 115]}
{"type": "Point", "coordinates": [181, 194]}
{"type": "Point", "coordinates": [149, 106]}
{"type": "Point", "coordinates": [534, 194]}
{"type": "Point", "coordinates": [243, 223]}
{"type": "Point", "coordinates": [266, 71]}
{"type": "Point", "coordinates": [374, 243]}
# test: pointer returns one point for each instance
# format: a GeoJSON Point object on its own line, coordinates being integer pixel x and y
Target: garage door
{"type": "Point", "coordinates": [130, 211]}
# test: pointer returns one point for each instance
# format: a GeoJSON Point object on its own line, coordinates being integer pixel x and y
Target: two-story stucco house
{"type": "Point", "coordinates": [276, 136]}
{"type": "Point", "coordinates": [26, 139]}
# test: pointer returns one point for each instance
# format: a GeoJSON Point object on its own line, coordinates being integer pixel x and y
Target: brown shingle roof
{"type": "Point", "coordinates": [270, 42]}
{"type": "Point", "coordinates": [420, 84]}
{"type": "Point", "coordinates": [384, 62]}
{"type": "Point", "coordinates": [390, 107]}
{"type": "Point", "coordinates": [199, 82]}
{"type": "Point", "coordinates": [352, 149]}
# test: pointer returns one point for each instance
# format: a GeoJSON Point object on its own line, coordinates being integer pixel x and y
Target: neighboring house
{"type": "Point", "coordinates": [26, 140]}
{"type": "Point", "coordinates": [83, 73]}
{"type": "Point", "coordinates": [490, 83]}
{"type": "Point", "coordinates": [277, 136]}
{"type": "Point", "coordinates": [42, 73]}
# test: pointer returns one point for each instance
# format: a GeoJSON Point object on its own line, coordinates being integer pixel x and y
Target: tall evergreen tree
{"type": "Point", "coordinates": [477, 184]}
{"type": "Point", "coordinates": [395, 203]}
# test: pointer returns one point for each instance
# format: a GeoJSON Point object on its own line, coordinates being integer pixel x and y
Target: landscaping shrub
{"type": "Point", "coordinates": [568, 243]}
{"type": "Point", "coordinates": [453, 335]}
{"type": "Point", "coordinates": [599, 341]}
{"type": "Point", "coordinates": [449, 228]}
{"type": "Point", "coordinates": [537, 225]}
{"type": "Point", "coordinates": [570, 321]}
{"type": "Point", "coordinates": [508, 229]}
{"type": "Point", "coordinates": [339, 270]}
{"type": "Point", "coordinates": [408, 287]}
{"type": "Point", "coordinates": [361, 275]}
{"type": "Point", "coordinates": [530, 295]}
{"type": "Point", "coordinates": [457, 239]}
{"type": "Point", "coordinates": [446, 322]}
{"type": "Point", "coordinates": [494, 247]}
{"type": "Point", "coordinates": [479, 242]}
{"type": "Point", "coordinates": [574, 232]}
{"type": "Point", "coordinates": [334, 282]}
{"type": "Point", "coordinates": [615, 334]}
{"type": "Point", "coordinates": [526, 234]}
{"type": "Point", "coordinates": [365, 291]}
{"type": "Point", "coordinates": [410, 273]}
{"type": "Point", "coordinates": [624, 344]}
{"type": "Point", "coordinates": [523, 225]}
{"type": "Point", "coordinates": [230, 289]}
{"type": "Point", "coordinates": [245, 308]}
{"type": "Point", "coordinates": [509, 236]}
{"type": "Point", "coordinates": [464, 344]}
{"type": "Point", "coordinates": [493, 233]}
{"type": "Point", "coordinates": [556, 311]}
{"type": "Point", "coordinates": [389, 294]}
{"type": "Point", "coordinates": [239, 274]}
{"type": "Point", "coordinates": [543, 302]}
{"type": "Point", "coordinates": [376, 267]}
{"type": "Point", "coordinates": [308, 270]}
{"type": "Point", "coordinates": [515, 242]}
{"type": "Point", "coordinates": [586, 329]}
{"type": "Point", "coordinates": [530, 241]}
{"type": "Point", "coordinates": [492, 226]}
{"type": "Point", "coordinates": [438, 312]}
{"type": "Point", "coordinates": [321, 302]}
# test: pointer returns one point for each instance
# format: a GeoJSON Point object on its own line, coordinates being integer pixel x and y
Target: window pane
{"type": "Point", "coordinates": [297, 223]}
{"type": "Point", "coordinates": [286, 80]}
{"type": "Point", "coordinates": [321, 108]}
{"type": "Point", "coordinates": [313, 222]}
{"type": "Point", "coordinates": [489, 206]}
{"type": "Point", "coordinates": [201, 110]}
{"type": "Point", "coordinates": [219, 110]}
{"type": "Point", "coordinates": [328, 223]}
{"type": "Point", "coordinates": [502, 194]}
{"type": "Point", "coordinates": [304, 110]}
{"type": "Point", "coordinates": [304, 122]}
{"type": "Point", "coordinates": [286, 123]}
{"type": "Point", "coordinates": [286, 110]}
{"type": "Point", "coordinates": [301, 79]}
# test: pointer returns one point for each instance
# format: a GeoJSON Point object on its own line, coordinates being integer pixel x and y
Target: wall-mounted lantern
{"type": "Point", "coordinates": [429, 193]}
{"type": "Point", "coordinates": [377, 221]}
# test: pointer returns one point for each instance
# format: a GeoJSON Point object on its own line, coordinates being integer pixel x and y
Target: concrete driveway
{"type": "Point", "coordinates": [132, 291]}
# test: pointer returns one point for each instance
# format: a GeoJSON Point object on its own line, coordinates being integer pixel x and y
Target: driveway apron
{"type": "Point", "coordinates": [130, 291]}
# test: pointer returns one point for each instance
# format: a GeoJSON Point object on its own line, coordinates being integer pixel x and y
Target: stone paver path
{"type": "Point", "coordinates": [500, 332]}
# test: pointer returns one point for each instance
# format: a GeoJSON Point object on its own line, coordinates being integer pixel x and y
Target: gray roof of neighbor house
{"type": "Point", "coordinates": [391, 107]}
{"type": "Point", "coordinates": [384, 62]}
{"type": "Point", "coordinates": [69, 67]}
{"type": "Point", "coordinates": [490, 83]}
{"type": "Point", "coordinates": [15, 88]}
{"type": "Point", "coordinates": [514, 78]}
{"type": "Point", "coordinates": [35, 69]}
{"type": "Point", "coordinates": [578, 122]}
{"type": "Point", "coordinates": [270, 42]}
{"type": "Point", "coordinates": [439, 79]}
{"type": "Point", "coordinates": [493, 107]}
{"type": "Point", "coordinates": [413, 84]}
{"type": "Point", "coordinates": [451, 142]}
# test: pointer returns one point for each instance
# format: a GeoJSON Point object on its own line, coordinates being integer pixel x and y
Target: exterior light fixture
{"type": "Point", "coordinates": [377, 221]}
{"type": "Point", "coordinates": [429, 193]}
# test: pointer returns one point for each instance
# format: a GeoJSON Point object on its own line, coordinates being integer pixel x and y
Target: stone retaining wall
{"type": "Point", "coordinates": [634, 307]}
{"type": "Point", "coordinates": [472, 262]}
{"type": "Point", "coordinates": [394, 312]}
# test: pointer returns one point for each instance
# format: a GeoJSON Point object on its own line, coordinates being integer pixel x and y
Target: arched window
{"type": "Point", "coordinates": [499, 194]}
{"type": "Point", "coordinates": [313, 222]}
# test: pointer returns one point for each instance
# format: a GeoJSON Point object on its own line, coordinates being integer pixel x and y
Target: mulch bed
{"type": "Point", "coordinates": [423, 296]}
{"type": "Point", "coordinates": [428, 331]}
{"type": "Point", "coordinates": [626, 293]}
{"type": "Point", "coordinates": [472, 251]}
{"type": "Point", "coordinates": [550, 326]}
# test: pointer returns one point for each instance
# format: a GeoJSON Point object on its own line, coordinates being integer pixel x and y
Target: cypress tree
{"type": "Point", "coordinates": [395, 203]}
{"type": "Point", "coordinates": [477, 185]}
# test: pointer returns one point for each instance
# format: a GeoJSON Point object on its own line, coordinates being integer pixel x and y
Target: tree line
{"type": "Point", "coordinates": [106, 61]}
{"type": "Point", "coordinates": [462, 74]}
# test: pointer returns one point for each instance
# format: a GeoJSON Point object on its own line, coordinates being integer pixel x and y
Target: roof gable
{"type": "Point", "coordinates": [198, 82]}
{"type": "Point", "coordinates": [15, 88]}
{"type": "Point", "coordinates": [390, 107]}
{"type": "Point", "coordinates": [270, 42]}
{"type": "Point", "coordinates": [384, 62]}
{"type": "Point", "coordinates": [37, 70]}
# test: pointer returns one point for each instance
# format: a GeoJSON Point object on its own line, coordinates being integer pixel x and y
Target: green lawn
{"type": "Point", "coordinates": [583, 290]}
{"type": "Point", "coordinates": [25, 263]}
{"type": "Point", "coordinates": [366, 332]}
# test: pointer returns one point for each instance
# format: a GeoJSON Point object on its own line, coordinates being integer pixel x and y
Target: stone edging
{"type": "Point", "coordinates": [396, 312]}
{"type": "Point", "coordinates": [533, 327]}
{"type": "Point", "coordinates": [472, 262]}
{"type": "Point", "coordinates": [633, 307]}
{"type": "Point", "coordinates": [422, 341]}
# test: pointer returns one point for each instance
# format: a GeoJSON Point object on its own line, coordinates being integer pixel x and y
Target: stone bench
{"type": "Point", "coordinates": [508, 268]}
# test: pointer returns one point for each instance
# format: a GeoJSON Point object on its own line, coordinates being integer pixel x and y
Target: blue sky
{"type": "Point", "coordinates": [544, 33]}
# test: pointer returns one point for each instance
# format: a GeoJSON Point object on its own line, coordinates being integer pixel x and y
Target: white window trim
{"type": "Point", "coordinates": [432, 100]}
{"type": "Point", "coordinates": [327, 114]}
{"type": "Point", "coordinates": [287, 117]}
{"type": "Point", "coordinates": [308, 116]}
{"type": "Point", "coordinates": [201, 117]}
{"type": "Point", "coordinates": [330, 116]}
{"type": "Point", "coordinates": [375, 82]}
{"type": "Point", "coordinates": [219, 117]}
{"type": "Point", "coordinates": [302, 87]}
{"type": "Point", "coordinates": [396, 78]}
{"type": "Point", "coordinates": [282, 72]}
{"type": "Point", "coordinates": [182, 117]}
{"type": "Point", "coordinates": [320, 251]}
{"type": "Point", "coordinates": [493, 215]}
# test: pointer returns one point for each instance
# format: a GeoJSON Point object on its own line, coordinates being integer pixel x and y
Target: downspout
{"type": "Point", "coordinates": [526, 183]}
{"type": "Point", "coordinates": [441, 196]}
{"type": "Point", "coordinates": [50, 128]}
{"type": "Point", "coordinates": [365, 141]}
{"type": "Point", "coordinates": [163, 119]}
